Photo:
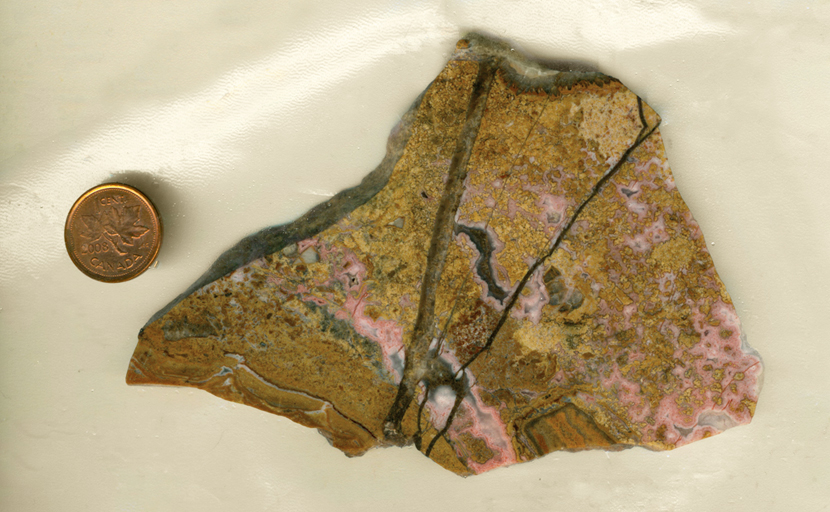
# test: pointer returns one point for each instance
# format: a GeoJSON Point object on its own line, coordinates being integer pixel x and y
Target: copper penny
{"type": "Point", "coordinates": [113, 233]}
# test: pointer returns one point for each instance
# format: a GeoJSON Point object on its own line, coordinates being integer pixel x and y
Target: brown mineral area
{"type": "Point", "coordinates": [518, 276]}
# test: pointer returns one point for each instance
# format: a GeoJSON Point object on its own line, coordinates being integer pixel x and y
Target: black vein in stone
{"type": "Point", "coordinates": [645, 132]}
{"type": "Point", "coordinates": [415, 366]}
{"type": "Point", "coordinates": [460, 393]}
{"type": "Point", "coordinates": [418, 433]}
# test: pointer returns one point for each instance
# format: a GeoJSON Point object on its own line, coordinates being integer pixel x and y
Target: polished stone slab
{"type": "Point", "coordinates": [519, 275]}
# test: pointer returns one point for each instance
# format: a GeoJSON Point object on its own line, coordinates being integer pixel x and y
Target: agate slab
{"type": "Point", "coordinates": [518, 276]}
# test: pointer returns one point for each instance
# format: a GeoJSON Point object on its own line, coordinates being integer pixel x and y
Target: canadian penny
{"type": "Point", "coordinates": [113, 233]}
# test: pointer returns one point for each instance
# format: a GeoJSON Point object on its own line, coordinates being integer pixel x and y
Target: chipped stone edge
{"type": "Point", "coordinates": [528, 73]}
{"type": "Point", "coordinates": [316, 220]}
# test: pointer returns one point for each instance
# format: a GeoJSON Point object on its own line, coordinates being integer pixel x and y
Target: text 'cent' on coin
{"type": "Point", "coordinates": [113, 233]}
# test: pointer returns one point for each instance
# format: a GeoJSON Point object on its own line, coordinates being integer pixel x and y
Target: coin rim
{"type": "Point", "coordinates": [69, 241]}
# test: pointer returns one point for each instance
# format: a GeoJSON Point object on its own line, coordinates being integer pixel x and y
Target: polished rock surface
{"type": "Point", "coordinates": [519, 275]}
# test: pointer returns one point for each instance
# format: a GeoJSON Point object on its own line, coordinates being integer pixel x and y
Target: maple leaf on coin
{"type": "Point", "coordinates": [91, 227]}
{"type": "Point", "coordinates": [123, 223]}
{"type": "Point", "coordinates": [519, 275]}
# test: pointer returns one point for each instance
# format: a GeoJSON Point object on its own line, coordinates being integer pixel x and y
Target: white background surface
{"type": "Point", "coordinates": [234, 115]}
